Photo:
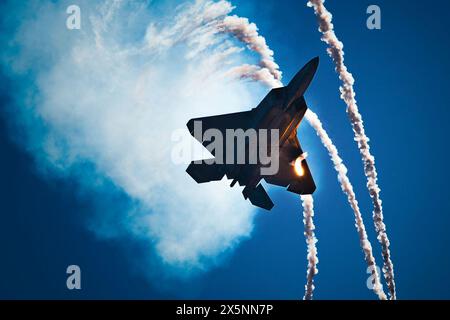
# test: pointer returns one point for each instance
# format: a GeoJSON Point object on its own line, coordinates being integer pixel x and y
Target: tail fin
{"type": "Point", "coordinates": [258, 197]}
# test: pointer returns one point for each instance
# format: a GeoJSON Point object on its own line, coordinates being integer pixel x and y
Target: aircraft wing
{"type": "Point", "coordinates": [238, 120]}
{"type": "Point", "coordinates": [287, 176]}
{"type": "Point", "coordinates": [203, 172]}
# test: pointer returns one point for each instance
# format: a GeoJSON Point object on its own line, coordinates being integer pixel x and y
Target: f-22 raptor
{"type": "Point", "coordinates": [282, 109]}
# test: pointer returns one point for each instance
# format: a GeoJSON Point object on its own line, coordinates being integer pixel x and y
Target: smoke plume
{"type": "Point", "coordinates": [311, 240]}
{"type": "Point", "coordinates": [335, 51]}
{"type": "Point", "coordinates": [268, 71]}
{"type": "Point", "coordinates": [100, 105]}
{"type": "Point", "coordinates": [347, 188]}
{"type": "Point", "coordinates": [255, 73]}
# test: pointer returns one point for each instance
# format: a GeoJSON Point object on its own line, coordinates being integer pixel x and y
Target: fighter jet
{"type": "Point", "coordinates": [283, 109]}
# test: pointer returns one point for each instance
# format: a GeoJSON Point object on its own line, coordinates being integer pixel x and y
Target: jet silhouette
{"type": "Point", "coordinates": [281, 109]}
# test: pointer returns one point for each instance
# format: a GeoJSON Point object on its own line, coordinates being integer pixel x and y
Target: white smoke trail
{"type": "Point", "coordinates": [255, 73]}
{"type": "Point", "coordinates": [335, 50]}
{"type": "Point", "coordinates": [347, 188]}
{"type": "Point", "coordinates": [262, 75]}
{"type": "Point", "coordinates": [311, 240]}
{"type": "Point", "coordinates": [268, 71]}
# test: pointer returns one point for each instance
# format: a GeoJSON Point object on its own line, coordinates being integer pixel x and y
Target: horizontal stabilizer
{"type": "Point", "coordinates": [258, 197]}
{"type": "Point", "coordinates": [203, 172]}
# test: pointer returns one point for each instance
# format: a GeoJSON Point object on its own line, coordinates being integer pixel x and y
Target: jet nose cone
{"type": "Point", "coordinates": [313, 64]}
{"type": "Point", "coordinates": [298, 85]}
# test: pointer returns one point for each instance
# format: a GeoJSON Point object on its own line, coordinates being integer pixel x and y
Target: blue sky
{"type": "Point", "coordinates": [401, 76]}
